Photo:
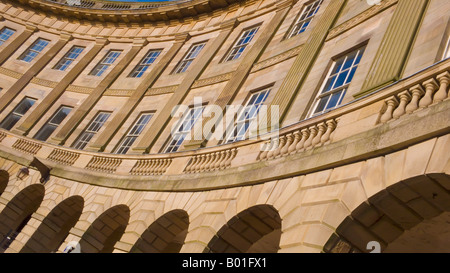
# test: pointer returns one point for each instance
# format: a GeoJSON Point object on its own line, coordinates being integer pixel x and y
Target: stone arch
{"type": "Point", "coordinates": [399, 218]}
{"type": "Point", "coordinates": [4, 179]}
{"type": "Point", "coordinates": [17, 213]}
{"type": "Point", "coordinates": [254, 230]}
{"type": "Point", "coordinates": [106, 230]}
{"type": "Point", "coordinates": [55, 227]}
{"type": "Point", "coordinates": [165, 235]}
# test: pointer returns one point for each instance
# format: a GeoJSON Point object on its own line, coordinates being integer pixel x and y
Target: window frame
{"type": "Point", "coordinates": [102, 65]}
{"type": "Point", "coordinates": [128, 135]}
{"type": "Point", "coordinates": [359, 50]}
{"type": "Point", "coordinates": [2, 41]}
{"type": "Point", "coordinates": [49, 122]}
{"type": "Point", "coordinates": [89, 132]}
{"type": "Point", "coordinates": [294, 30]}
{"type": "Point", "coordinates": [66, 61]}
{"type": "Point", "coordinates": [20, 115]}
{"type": "Point", "coordinates": [25, 55]}
{"type": "Point", "coordinates": [242, 112]}
{"type": "Point", "coordinates": [174, 147]}
{"type": "Point", "coordinates": [232, 53]}
{"type": "Point", "coordinates": [135, 72]}
{"type": "Point", "coordinates": [187, 59]}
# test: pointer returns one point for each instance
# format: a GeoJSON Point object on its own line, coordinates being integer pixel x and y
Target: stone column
{"type": "Point", "coordinates": [7, 51]}
{"type": "Point", "coordinates": [387, 67]}
{"type": "Point", "coordinates": [126, 110]}
{"type": "Point", "coordinates": [240, 75]}
{"type": "Point", "coordinates": [59, 89]}
{"type": "Point", "coordinates": [43, 60]}
{"type": "Point", "coordinates": [299, 71]}
{"type": "Point", "coordinates": [182, 91]}
{"type": "Point", "coordinates": [96, 94]}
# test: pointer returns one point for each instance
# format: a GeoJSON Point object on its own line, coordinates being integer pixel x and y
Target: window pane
{"type": "Point", "coordinates": [104, 64]}
{"type": "Point", "coordinates": [134, 133]}
{"type": "Point", "coordinates": [45, 132]}
{"type": "Point", "coordinates": [247, 116]}
{"type": "Point", "coordinates": [341, 75]}
{"type": "Point", "coordinates": [5, 33]}
{"type": "Point", "coordinates": [185, 125]}
{"type": "Point", "coordinates": [193, 52]}
{"type": "Point", "coordinates": [144, 64]}
{"type": "Point", "coordinates": [239, 47]}
{"type": "Point", "coordinates": [17, 113]}
{"type": "Point", "coordinates": [70, 56]}
{"type": "Point", "coordinates": [53, 123]}
{"type": "Point", "coordinates": [33, 50]}
{"type": "Point", "coordinates": [95, 125]}
{"type": "Point", "coordinates": [305, 18]}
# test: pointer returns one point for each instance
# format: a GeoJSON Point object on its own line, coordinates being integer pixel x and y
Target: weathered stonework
{"type": "Point", "coordinates": [374, 168]}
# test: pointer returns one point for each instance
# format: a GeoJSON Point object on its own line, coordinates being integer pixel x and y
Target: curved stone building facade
{"type": "Point", "coordinates": [92, 154]}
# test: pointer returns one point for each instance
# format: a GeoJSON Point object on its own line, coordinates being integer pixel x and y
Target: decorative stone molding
{"type": "Point", "coordinates": [43, 82]}
{"type": "Point", "coordinates": [360, 18]}
{"type": "Point", "coordinates": [276, 59]}
{"type": "Point", "coordinates": [79, 89]}
{"type": "Point", "coordinates": [10, 73]}
{"type": "Point", "coordinates": [161, 90]}
{"type": "Point", "coordinates": [212, 80]}
{"type": "Point", "coordinates": [118, 92]}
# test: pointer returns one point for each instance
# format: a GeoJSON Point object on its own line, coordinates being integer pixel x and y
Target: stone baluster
{"type": "Point", "coordinates": [391, 103]}
{"type": "Point", "coordinates": [404, 97]}
{"type": "Point", "coordinates": [322, 127]}
{"type": "Point", "coordinates": [305, 136]}
{"type": "Point", "coordinates": [273, 147]}
{"type": "Point", "coordinates": [282, 142]}
{"type": "Point", "coordinates": [417, 92]}
{"type": "Point", "coordinates": [297, 137]}
{"type": "Point", "coordinates": [195, 161]}
{"type": "Point", "coordinates": [312, 134]}
{"type": "Point", "coordinates": [232, 156]}
{"type": "Point", "coordinates": [331, 125]}
{"type": "Point", "coordinates": [289, 140]}
{"type": "Point", "coordinates": [430, 86]}
{"type": "Point", "coordinates": [228, 154]}
{"type": "Point", "coordinates": [221, 157]}
{"type": "Point", "coordinates": [444, 80]}
{"type": "Point", "coordinates": [265, 150]}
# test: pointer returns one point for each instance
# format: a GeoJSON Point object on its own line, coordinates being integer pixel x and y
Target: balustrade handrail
{"type": "Point", "coordinates": [110, 5]}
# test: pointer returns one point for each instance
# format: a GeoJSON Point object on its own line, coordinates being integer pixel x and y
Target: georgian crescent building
{"type": "Point", "coordinates": [91, 153]}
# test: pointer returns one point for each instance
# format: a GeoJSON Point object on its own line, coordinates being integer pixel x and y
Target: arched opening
{"type": "Point", "coordinates": [4, 179]}
{"type": "Point", "coordinates": [165, 235]}
{"type": "Point", "coordinates": [254, 230]}
{"type": "Point", "coordinates": [55, 227]}
{"type": "Point", "coordinates": [18, 212]}
{"type": "Point", "coordinates": [106, 230]}
{"type": "Point", "coordinates": [411, 216]}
